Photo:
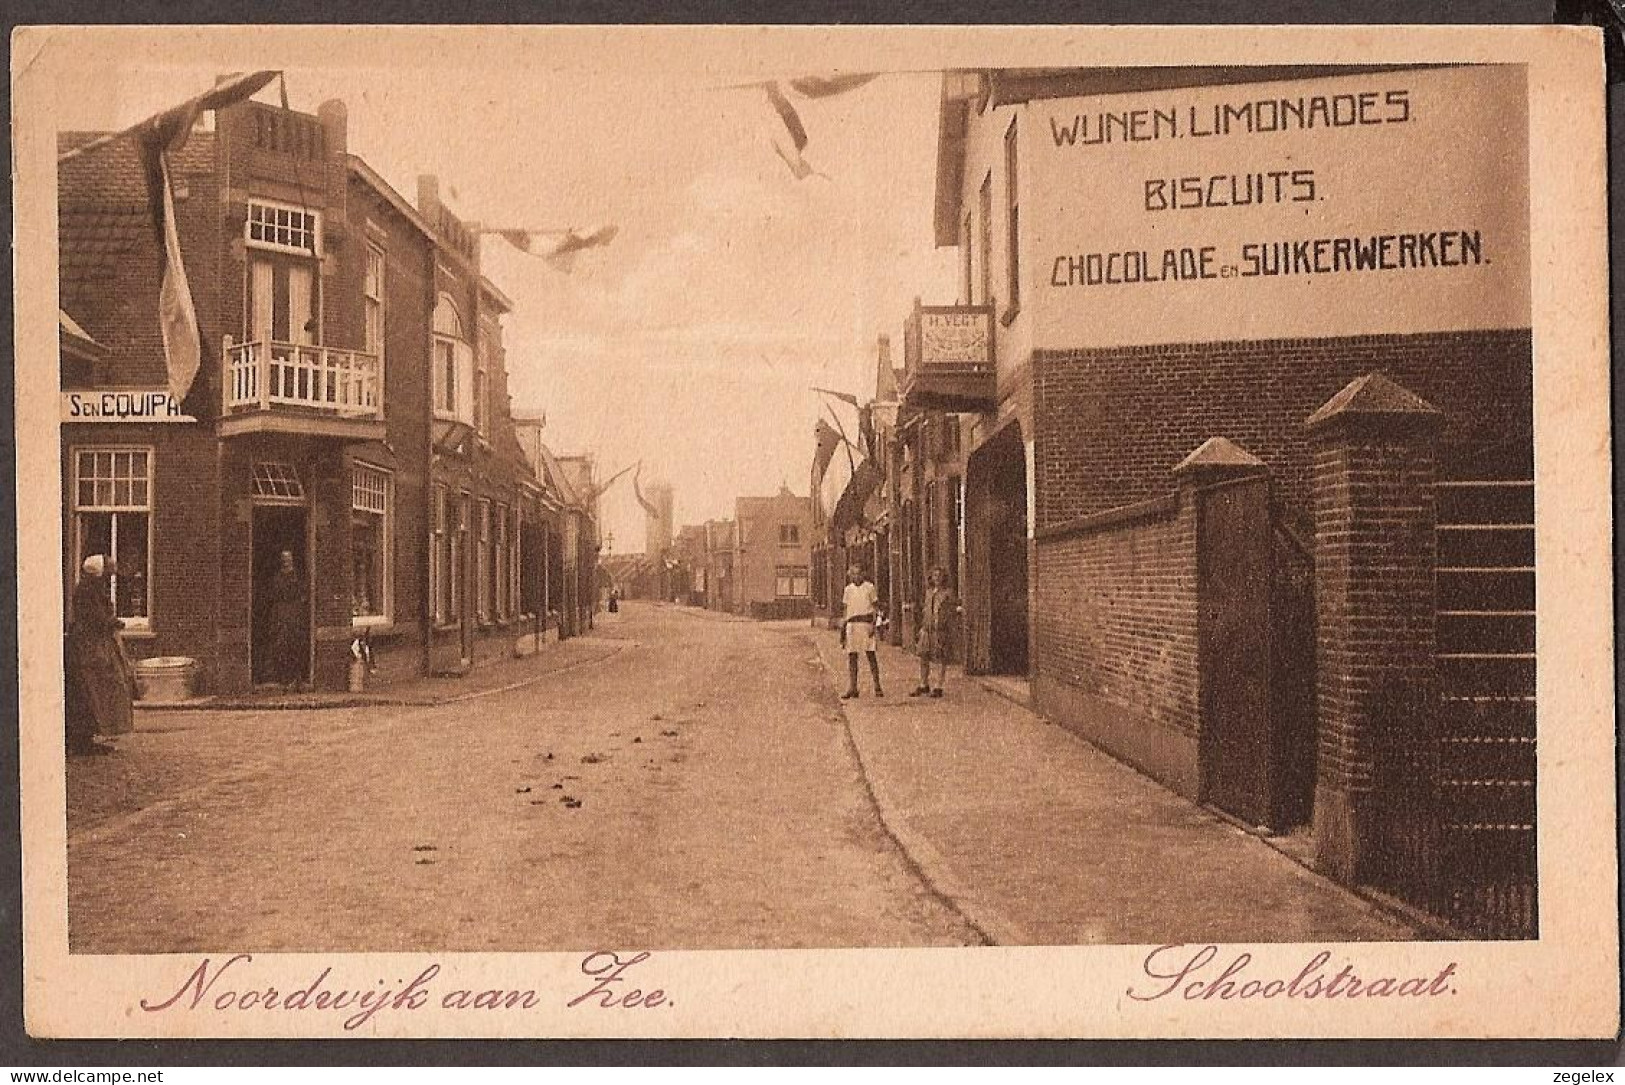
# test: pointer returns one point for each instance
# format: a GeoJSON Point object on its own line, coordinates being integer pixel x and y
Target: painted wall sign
{"type": "Point", "coordinates": [122, 405]}
{"type": "Point", "coordinates": [1361, 204]}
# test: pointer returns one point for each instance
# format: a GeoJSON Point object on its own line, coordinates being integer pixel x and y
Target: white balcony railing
{"type": "Point", "coordinates": [266, 375]}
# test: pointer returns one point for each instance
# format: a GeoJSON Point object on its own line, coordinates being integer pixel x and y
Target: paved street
{"type": "Point", "coordinates": [678, 780]}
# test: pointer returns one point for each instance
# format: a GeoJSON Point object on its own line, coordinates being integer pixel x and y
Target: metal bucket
{"type": "Point", "coordinates": [166, 678]}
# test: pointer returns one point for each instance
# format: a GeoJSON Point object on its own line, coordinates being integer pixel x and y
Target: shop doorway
{"type": "Point", "coordinates": [996, 561]}
{"type": "Point", "coordinates": [280, 641]}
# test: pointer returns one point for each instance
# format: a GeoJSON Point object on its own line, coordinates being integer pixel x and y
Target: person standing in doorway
{"type": "Point", "coordinates": [934, 642]}
{"type": "Point", "coordinates": [860, 605]}
{"type": "Point", "coordinates": [285, 624]}
{"type": "Point", "coordinates": [100, 686]}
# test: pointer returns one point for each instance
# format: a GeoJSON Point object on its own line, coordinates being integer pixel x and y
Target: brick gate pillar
{"type": "Point", "coordinates": [1374, 601]}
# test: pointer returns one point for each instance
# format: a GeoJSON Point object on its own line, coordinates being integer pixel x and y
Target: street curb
{"type": "Point", "coordinates": [921, 856]}
{"type": "Point", "coordinates": [364, 700]}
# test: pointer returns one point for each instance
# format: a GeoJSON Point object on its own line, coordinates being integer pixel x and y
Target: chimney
{"type": "Point", "coordinates": [429, 196]}
{"type": "Point", "coordinates": [335, 119]}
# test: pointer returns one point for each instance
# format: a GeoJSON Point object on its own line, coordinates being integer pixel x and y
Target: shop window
{"type": "Point", "coordinates": [459, 550]}
{"type": "Point", "coordinates": [503, 562]}
{"type": "Point", "coordinates": [371, 538]}
{"type": "Point", "coordinates": [482, 562]}
{"type": "Point", "coordinates": [112, 516]}
{"type": "Point", "coordinates": [791, 582]}
{"type": "Point", "coordinates": [440, 575]}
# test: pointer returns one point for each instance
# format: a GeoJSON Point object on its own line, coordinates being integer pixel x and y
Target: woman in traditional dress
{"type": "Point", "coordinates": [100, 687]}
{"type": "Point", "coordinates": [286, 621]}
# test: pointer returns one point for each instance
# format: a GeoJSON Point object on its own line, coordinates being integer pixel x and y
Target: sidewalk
{"type": "Point", "coordinates": [1040, 839]}
{"type": "Point", "coordinates": [488, 677]}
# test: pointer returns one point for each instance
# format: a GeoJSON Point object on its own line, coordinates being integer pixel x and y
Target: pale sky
{"type": "Point", "coordinates": [691, 342]}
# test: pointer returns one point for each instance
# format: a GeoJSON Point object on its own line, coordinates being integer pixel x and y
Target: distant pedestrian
{"type": "Point", "coordinates": [100, 686]}
{"type": "Point", "coordinates": [935, 640]}
{"type": "Point", "coordinates": [614, 600]}
{"type": "Point", "coordinates": [860, 605]}
{"type": "Point", "coordinates": [286, 622]}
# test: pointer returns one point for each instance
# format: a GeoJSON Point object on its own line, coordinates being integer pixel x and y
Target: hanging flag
{"type": "Point", "coordinates": [792, 157]}
{"type": "Point", "coordinates": [638, 490]}
{"type": "Point", "coordinates": [825, 441]}
{"type": "Point", "coordinates": [844, 397]}
{"type": "Point", "coordinates": [866, 430]}
{"type": "Point", "coordinates": [815, 86]}
{"type": "Point", "coordinates": [165, 132]}
{"type": "Point", "coordinates": [560, 254]}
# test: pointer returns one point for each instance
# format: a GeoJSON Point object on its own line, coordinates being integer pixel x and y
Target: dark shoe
{"type": "Point", "coordinates": [849, 694]}
{"type": "Point", "coordinates": [879, 692]}
{"type": "Point", "coordinates": [918, 691]}
{"type": "Point", "coordinates": [936, 693]}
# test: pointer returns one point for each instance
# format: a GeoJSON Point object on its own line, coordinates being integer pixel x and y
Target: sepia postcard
{"type": "Point", "coordinates": [814, 532]}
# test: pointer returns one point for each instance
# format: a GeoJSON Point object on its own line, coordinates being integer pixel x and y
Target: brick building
{"type": "Point", "coordinates": [1242, 366]}
{"type": "Point", "coordinates": [772, 555]}
{"type": "Point", "coordinates": [350, 409]}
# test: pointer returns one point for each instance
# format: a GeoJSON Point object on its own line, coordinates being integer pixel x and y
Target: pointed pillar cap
{"type": "Point", "coordinates": [1219, 458]}
{"type": "Point", "coordinates": [1376, 402]}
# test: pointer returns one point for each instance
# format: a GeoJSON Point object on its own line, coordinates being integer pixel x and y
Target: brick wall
{"type": "Point", "coordinates": [1114, 634]}
{"type": "Point", "coordinates": [1111, 423]}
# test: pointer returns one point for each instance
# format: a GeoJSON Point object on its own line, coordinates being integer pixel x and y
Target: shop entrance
{"type": "Point", "coordinates": [280, 642]}
{"type": "Point", "coordinates": [996, 559]}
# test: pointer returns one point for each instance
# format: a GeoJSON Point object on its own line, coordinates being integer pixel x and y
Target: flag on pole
{"type": "Point", "coordinates": [158, 135]}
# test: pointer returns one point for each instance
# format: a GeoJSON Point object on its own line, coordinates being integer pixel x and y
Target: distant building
{"type": "Point", "coordinates": [773, 556]}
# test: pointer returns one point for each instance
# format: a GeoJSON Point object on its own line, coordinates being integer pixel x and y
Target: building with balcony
{"type": "Point", "coordinates": [350, 410]}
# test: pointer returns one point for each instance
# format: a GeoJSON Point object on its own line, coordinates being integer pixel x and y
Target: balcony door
{"type": "Point", "coordinates": [283, 302]}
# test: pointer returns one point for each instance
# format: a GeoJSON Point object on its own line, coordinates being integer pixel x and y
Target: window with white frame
{"type": "Point", "coordinates": [482, 388]}
{"type": "Point", "coordinates": [283, 227]}
{"type": "Point", "coordinates": [371, 538]}
{"type": "Point", "coordinates": [790, 582]}
{"type": "Point", "coordinates": [515, 571]}
{"type": "Point", "coordinates": [482, 562]}
{"type": "Point", "coordinates": [459, 548]}
{"type": "Point", "coordinates": [112, 516]}
{"type": "Point", "coordinates": [372, 293]}
{"type": "Point", "coordinates": [440, 557]}
{"type": "Point", "coordinates": [499, 555]}
{"type": "Point", "coordinates": [1012, 222]}
{"type": "Point", "coordinates": [453, 366]}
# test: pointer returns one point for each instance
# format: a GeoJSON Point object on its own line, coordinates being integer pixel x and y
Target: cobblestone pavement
{"type": "Point", "coordinates": [678, 780]}
{"type": "Point", "coordinates": [688, 783]}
